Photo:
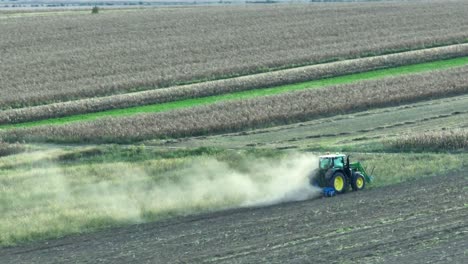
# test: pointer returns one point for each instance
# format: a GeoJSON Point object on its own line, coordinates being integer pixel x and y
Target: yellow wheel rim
{"type": "Point", "coordinates": [338, 183]}
{"type": "Point", "coordinates": [359, 182]}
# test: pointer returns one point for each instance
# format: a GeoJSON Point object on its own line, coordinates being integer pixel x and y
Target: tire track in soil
{"type": "Point", "coordinates": [421, 221]}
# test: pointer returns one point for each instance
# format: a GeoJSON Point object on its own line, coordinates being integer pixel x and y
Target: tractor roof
{"type": "Point", "coordinates": [332, 156]}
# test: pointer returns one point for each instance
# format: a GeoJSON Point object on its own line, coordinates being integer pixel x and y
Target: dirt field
{"type": "Point", "coordinates": [422, 221]}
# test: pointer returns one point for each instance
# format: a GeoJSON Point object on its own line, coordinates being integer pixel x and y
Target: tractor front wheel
{"type": "Point", "coordinates": [358, 182]}
{"type": "Point", "coordinates": [338, 182]}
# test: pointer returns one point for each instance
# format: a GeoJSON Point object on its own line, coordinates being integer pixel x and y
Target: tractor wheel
{"type": "Point", "coordinates": [338, 182]}
{"type": "Point", "coordinates": [358, 182]}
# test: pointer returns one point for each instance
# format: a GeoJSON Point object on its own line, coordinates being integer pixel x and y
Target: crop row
{"type": "Point", "coordinates": [445, 140]}
{"type": "Point", "coordinates": [9, 149]}
{"type": "Point", "coordinates": [276, 78]}
{"type": "Point", "coordinates": [60, 58]}
{"type": "Point", "coordinates": [259, 112]}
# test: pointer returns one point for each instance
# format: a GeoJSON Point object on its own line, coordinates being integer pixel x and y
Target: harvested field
{"type": "Point", "coordinates": [60, 58]}
{"type": "Point", "coordinates": [261, 112]}
{"type": "Point", "coordinates": [417, 222]}
{"type": "Point", "coordinates": [262, 80]}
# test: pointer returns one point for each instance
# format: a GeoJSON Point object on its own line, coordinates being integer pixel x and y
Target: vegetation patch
{"type": "Point", "coordinates": [344, 132]}
{"type": "Point", "coordinates": [33, 113]}
{"type": "Point", "coordinates": [10, 149]}
{"type": "Point", "coordinates": [257, 112]}
{"type": "Point", "coordinates": [445, 140]}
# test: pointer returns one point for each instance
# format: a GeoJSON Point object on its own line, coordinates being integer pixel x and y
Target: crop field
{"type": "Point", "coordinates": [257, 112]}
{"type": "Point", "coordinates": [447, 140]}
{"type": "Point", "coordinates": [60, 58]}
{"type": "Point", "coordinates": [365, 131]}
{"type": "Point", "coordinates": [188, 135]}
{"type": "Point", "coordinates": [315, 76]}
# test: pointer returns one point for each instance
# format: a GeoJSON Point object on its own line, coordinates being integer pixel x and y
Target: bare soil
{"type": "Point", "coordinates": [423, 221]}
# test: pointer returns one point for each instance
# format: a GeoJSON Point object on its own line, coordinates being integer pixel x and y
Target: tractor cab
{"type": "Point", "coordinates": [331, 161]}
{"type": "Point", "coordinates": [335, 171]}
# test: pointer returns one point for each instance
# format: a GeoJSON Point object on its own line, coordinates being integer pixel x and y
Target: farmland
{"type": "Point", "coordinates": [60, 58]}
{"type": "Point", "coordinates": [315, 76]}
{"type": "Point", "coordinates": [257, 112]}
{"type": "Point", "coordinates": [188, 134]}
{"type": "Point", "coordinates": [322, 230]}
{"type": "Point", "coordinates": [366, 131]}
{"type": "Point", "coordinates": [445, 140]}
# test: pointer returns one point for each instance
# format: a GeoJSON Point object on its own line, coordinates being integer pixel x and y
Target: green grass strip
{"type": "Point", "coordinates": [162, 107]}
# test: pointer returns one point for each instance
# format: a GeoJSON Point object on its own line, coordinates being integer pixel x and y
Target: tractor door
{"type": "Point", "coordinates": [347, 168]}
{"type": "Point", "coordinates": [338, 162]}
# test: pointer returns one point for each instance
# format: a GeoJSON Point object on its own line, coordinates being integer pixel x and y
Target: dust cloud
{"type": "Point", "coordinates": [263, 182]}
{"type": "Point", "coordinates": [206, 185]}
{"type": "Point", "coordinates": [129, 192]}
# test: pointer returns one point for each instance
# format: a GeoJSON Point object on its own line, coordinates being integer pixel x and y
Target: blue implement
{"type": "Point", "coordinates": [328, 192]}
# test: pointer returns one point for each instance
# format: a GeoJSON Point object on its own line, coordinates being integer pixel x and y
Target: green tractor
{"type": "Point", "coordinates": [335, 174]}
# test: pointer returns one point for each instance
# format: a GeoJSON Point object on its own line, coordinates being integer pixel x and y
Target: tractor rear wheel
{"type": "Point", "coordinates": [358, 182]}
{"type": "Point", "coordinates": [338, 182]}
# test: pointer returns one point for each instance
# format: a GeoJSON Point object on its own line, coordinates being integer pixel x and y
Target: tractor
{"type": "Point", "coordinates": [335, 174]}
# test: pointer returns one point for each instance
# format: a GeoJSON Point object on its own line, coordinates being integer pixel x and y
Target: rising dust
{"type": "Point", "coordinates": [126, 192]}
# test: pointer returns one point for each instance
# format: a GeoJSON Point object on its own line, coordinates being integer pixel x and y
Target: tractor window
{"type": "Point", "coordinates": [325, 163]}
{"type": "Point", "coordinates": [339, 162]}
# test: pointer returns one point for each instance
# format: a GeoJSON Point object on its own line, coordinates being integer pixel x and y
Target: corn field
{"type": "Point", "coordinates": [9, 149]}
{"type": "Point", "coordinates": [270, 79]}
{"type": "Point", "coordinates": [444, 140]}
{"type": "Point", "coordinates": [47, 59]}
{"type": "Point", "coordinates": [254, 113]}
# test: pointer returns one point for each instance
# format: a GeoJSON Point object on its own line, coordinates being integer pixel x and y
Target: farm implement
{"type": "Point", "coordinates": [336, 174]}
